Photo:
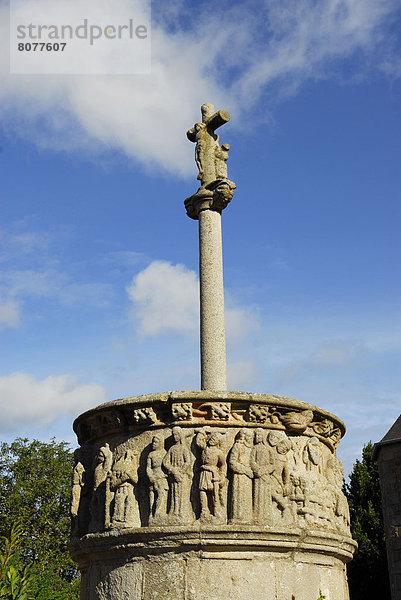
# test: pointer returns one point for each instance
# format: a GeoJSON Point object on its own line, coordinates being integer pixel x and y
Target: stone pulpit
{"type": "Point", "coordinates": [210, 494]}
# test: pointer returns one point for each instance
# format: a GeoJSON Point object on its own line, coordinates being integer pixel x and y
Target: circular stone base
{"type": "Point", "coordinates": [209, 496]}
{"type": "Point", "coordinates": [229, 563]}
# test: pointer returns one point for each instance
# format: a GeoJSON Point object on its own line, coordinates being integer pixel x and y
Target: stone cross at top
{"type": "Point", "coordinates": [206, 205]}
{"type": "Point", "coordinates": [210, 157]}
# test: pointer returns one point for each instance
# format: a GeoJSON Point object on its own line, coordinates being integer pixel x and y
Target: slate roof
{"type": "Point", "coordinates": [392, 436]}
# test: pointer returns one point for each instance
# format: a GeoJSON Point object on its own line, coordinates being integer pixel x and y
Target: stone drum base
{"type": "Point", "coordinates": [232, 563]}
{"type": "Point", "coordinates": [209, 496]}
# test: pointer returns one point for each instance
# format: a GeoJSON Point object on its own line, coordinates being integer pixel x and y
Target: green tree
{"type": "Point", "coordinates": [35, 491]}
{"type": "Point", "coordinates": [16, 581]}
{"type": "Point", "coordinates": [367, 572]}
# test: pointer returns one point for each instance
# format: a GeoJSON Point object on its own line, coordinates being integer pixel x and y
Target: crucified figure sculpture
{"type": "Point", "coordinates": [210, 157]}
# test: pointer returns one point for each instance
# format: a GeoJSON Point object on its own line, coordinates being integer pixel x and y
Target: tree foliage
{"type": "Point", "coordinates": [16, 581]}
{"type": "Point", "coordinates": [35, 491]}
{"type": "Point", "coordinates": [367, 572]}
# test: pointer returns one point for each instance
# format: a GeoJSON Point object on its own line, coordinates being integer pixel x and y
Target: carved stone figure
{"type": "Point", "coordinates": [208, 153]}
{"type": "Point", "coordinates": [103, 462]}
{"type": "Point", "coordinates": [335, 476]}
{"type": "Point", "coordinates": [297, 421]}
{"type": "Point", "coordinates": [312, 457]}
{"type": "Point", "coordinates": [212, 476]}
{"type": "Point", "coordinates": [158, 486]}
{"type": "Point", "coordinates": [78, 482]}
{"type": "Point", "coordinates": [262, 465]}
{"type": "Point", "coordinates": [178, 463]}
{"type": "Point", "coordinates": [242, 474]}
{"type": "Point", "coordinates": [280, 483]}
{"type": "Point", "coordinates": [220, 161]}
{"type": "Point", "coordinates": [104, 459]}
{"type": "Point", "coordinates": [121, 481]}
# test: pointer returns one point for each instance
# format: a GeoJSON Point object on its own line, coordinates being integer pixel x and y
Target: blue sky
{"type": "Point", "coordinates": [98, 283]}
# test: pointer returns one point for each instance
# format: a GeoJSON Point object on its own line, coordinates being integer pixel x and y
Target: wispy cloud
{"type": "Point", "coordinates": [265, 48]}
{"type": "Point", "coordinates": [9, 313]}
{"type": "Point", "coordinates": [33, 270]}
{"type": "Point", "coordinates": [26, 399]}
{"type": "Point", "coordinates": [328, 355]}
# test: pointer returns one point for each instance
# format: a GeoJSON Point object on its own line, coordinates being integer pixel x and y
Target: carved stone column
{"type": "Point", "coordinates": [206, 205]}
{"type": "Point", "coordinates": [209, 496]}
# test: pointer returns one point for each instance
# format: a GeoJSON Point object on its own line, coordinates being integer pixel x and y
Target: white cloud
{"type": "Point", "coordinates": [206, 58]}
{"type": "Point", "coordinates": [166, 300]}
{"type": "Point", "coordinates": [27, 400]}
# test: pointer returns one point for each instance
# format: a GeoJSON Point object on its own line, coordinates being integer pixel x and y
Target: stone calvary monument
{"type": "Point", "coordinates": [209, 494]}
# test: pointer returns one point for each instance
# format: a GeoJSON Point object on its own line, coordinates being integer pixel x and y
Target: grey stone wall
{"type": "Point", "coordinates": [389, 463]}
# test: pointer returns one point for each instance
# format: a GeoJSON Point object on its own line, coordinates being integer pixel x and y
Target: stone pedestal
{"type": "Point", "coordinates": [209, 496]}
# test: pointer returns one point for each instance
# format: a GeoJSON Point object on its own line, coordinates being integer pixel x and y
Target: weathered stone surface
{"type": "Point", "coordinates": [212, 322]}
{"type": "Point", "coordinates": [208, 408]}
{"type": "Point", "coordinates": [210, 495]}
{"type": "Point", "coordinates": [210, 157]}
{"type": "Point", "coordinates": [213, 563]}
{"type": "Point", "coordinates": [388, 455]}
{"type": "Point", "coordinates": [206, 205]}
{"type": "Point", "coordinates": [208, 499]}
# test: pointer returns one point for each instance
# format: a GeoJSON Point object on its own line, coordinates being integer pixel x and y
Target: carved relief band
{"type": "Point", "coordinates": [176, 463]}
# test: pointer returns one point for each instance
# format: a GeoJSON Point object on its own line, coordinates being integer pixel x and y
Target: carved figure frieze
{"type": "Point", "coordinates": [178, 464]}
{"type": "Point", "coordinates": [239, 461]}
{"type": "Point", "coordinates": [216, 473]}
{"type": "Point", "coordinates": [312, 457]}
{"type": "Point", "coordinates": [78, 481]}
{"type": "Point", "coordinates": [97, 507]}
{"type": "Point", "coordinates": [280, 477]}
{"type": "Point", "coordinates": [121, 482]}
{"type": "Point", "coordinates": [340, 504]}
{"type": "Point", "coordinates": [262, 465]}
{"type": "Point", "coordinates": [212, 478]}
{"type": "Point", "coordinates": [158, 486]}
